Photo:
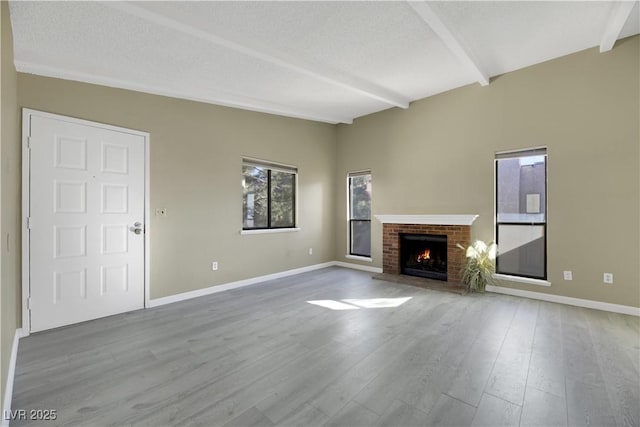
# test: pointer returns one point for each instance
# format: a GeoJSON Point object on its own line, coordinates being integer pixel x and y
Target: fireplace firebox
{"type": "Point", "coordinates": [424, 255]}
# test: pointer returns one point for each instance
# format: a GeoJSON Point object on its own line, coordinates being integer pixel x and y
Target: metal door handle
{"type": "Point", "coordinates": [137, 228]}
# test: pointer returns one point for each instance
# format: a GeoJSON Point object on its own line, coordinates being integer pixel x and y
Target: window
{"type": "Point", "coordinates": [360, 214]}
{"type": "Point", "coordinates": [521, 219]}
{"type": "Point", "coordinates": [268, 195]}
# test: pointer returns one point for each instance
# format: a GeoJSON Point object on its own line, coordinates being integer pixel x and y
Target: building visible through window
{"type": "Point", "coordinates": [521, 213]}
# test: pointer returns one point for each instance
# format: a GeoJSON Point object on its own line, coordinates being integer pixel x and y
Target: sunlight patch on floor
{"type": "Point", "coordinates": [333, 305]}
{"type": "Point", "coordinates": [377, 302]}
{"type": "Point", "coordinates": [355, 304]}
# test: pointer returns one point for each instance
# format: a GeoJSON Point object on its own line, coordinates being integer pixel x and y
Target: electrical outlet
{"type": "Point", "coordinates": [608, 278]}
{"type": "Point", "coordinates": [310, 251]}
{"type": "Point", "coordinates": [161, 212]}
{"type": "Point", "coordinates": [214, 265]}
{"type": "Point", "coordinates": [568, 275]}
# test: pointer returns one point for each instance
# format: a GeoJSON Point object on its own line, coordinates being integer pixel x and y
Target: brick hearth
{"type": "Point", "coordinates": [455, 256]}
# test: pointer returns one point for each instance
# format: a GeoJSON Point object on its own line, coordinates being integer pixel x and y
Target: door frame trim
{"type": "Point", "coordinates": [27, 114]}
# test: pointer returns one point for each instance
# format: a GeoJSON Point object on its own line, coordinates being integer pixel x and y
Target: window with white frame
{"type": "Point", "coordinates": [521, 213]}
{"type": "Point", "coordinates": [268, 195]}
{"type": "Point", "coordinates": [359, 188]}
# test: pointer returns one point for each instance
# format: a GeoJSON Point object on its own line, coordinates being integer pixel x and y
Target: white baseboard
{"type": "Point", "coordinates": [615, 308]}
{"type": "Point", "coordinates": [8, 391]}
{"type": "Point", "coordinates": [597, 305]}
{"type": "Point", "coordinates": [234, 285]}
{"type": "Point", "coordinates": [358, 267]}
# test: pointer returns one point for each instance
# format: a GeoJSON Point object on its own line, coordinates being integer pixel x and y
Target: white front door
{"type": "Point", "coordinates": [86, 221]}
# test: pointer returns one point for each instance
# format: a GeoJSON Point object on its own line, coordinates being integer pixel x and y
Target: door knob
{"type": "Point", "coordinates": [137, 228]}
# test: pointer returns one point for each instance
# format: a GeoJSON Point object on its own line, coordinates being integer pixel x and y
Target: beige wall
{"type": "Point", "coordinates": [437, 158]}
{"type": "Point", "coordinates": [10, 200]}
{"type": "Point", "coordinates": [196, 154]}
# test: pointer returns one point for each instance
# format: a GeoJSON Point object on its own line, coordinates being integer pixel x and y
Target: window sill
{"type": "Point", "coordinates": [526, 280]}
{"type": "Point", "coordinates": [270, 231]}
{"type": "Point", "coordinates": [359, 258]}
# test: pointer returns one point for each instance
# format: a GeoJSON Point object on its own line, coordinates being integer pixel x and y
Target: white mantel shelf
{"type": "Point", "coordinates": [427, 219]}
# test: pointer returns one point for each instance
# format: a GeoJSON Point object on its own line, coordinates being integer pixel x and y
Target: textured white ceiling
{"type": "Point", "coordinates": [325, 61]}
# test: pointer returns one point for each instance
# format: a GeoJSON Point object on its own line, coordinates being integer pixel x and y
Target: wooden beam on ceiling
{"type": "Point", "coordinates": [451, 41]}
{"type": "Point", "coordinates": [620, 12]}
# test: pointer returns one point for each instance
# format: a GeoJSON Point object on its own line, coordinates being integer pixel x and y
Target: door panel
{"type": "Point", "coordinates": [87, 192]}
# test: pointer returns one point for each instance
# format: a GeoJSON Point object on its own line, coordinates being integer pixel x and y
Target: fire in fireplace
{"type": "Point", "coordinates": [424, 255]}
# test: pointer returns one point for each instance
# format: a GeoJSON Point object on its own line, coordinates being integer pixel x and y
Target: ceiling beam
{"type": "Point", "coordinates": [464, 55]}
{"type": "Point", "coordinates": [274, 57]}
{"type": "Point", "coordinates": [225, 99]}
{"type": "Point", "coordinates": [620, 12]}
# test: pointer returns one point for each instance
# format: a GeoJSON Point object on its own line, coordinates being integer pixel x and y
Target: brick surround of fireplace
{"type": "Point", "coordinates": [455, 256]}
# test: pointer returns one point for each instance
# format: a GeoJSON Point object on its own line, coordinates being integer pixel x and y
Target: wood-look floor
{"type": "Point", "coordinates": [263, 356]}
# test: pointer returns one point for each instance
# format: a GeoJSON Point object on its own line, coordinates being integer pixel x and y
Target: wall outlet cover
{"type": "Point", "coordinates": [568, 275]}
{"type": "Point", "coordinates": [214, 265]}
{"type": "Point", "coordinates": [608, 278]}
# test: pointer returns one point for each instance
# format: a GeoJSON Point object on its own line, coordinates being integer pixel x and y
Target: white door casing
{"type": "Point", "coordinates": [86, 205]}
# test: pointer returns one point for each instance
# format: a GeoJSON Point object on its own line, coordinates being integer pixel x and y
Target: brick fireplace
{"type": "Point", "coordinates": [457, 229]}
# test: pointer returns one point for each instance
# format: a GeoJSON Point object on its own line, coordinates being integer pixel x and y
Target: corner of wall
{"type": "Point", "coordinates": [10, 271]}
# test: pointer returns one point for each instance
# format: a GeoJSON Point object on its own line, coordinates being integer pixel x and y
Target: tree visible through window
{"type": "Point", "coordinates": [268, 195]}
{"type": "Point", "coordinates": [521, 219]}
{"type": "Point", "coordinates": [360, 214]}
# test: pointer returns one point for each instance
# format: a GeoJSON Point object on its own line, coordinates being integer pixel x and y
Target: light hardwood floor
{"type": "Point", "coordinates": [263, 356]}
